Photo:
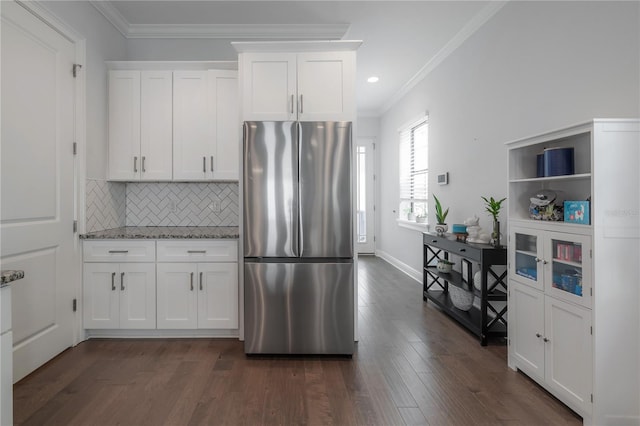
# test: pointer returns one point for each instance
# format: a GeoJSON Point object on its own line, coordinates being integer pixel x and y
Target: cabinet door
{"type": "Point", "coordinates": [269, 86]}
{"type": "Point", "coordinates": [193, 126]}
{"type": "Point", "coordinates": [124, 125]}
{"type": "Point", "coordinates": [226, 162]}
{"type": "Point", "coordinates": [156, 118]}
{"type": "Point", "coordinates": [218, 295]}
{"type": "Point", "coordinates": [526, 262]}
{"type": "Point", "coordinates": [100, 295]}
{"type": "Point", "coordinates": [569, 353]}
{"type": "Point", "coordinates": [326, 86]}
{"type": "Point", "coordinates": [526, 333]}
{"type": "Point", "coordinates": [177, 296]}
{"type": "Point", "coordinates": [137, 295]}
{"type": "Point", "coordinates": [6, 384]}
{"type": "Point", "coordinates": [568, 272]}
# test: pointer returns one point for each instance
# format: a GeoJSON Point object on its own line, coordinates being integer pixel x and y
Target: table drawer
{"type": "Point", "coordinates": [197, 251]}
{"type": "Point", "coordinates": [119, 251]}
{"type": "Point", "coordinates": [453, 247]}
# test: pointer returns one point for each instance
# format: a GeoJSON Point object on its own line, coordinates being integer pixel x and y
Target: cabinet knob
{"type": "Point", "coordinates": [544, 262]}
{"type": "Point", "coordinates": [434, 241]}
{"type": "Point", "coordinates": [538, 259]}
{"type": "Point", "coordinates": [463, 249]}
{"type": "Point", "coordinates": [545, 340]}
{"type": "Point", "coordinates": [538, 335]}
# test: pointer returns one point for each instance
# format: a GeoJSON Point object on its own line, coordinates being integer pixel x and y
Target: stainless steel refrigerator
{"type": "Point", "coordinates": [298, 238]}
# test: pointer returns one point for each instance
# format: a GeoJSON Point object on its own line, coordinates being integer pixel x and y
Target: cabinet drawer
{"type": "Point", "coordinates": [465, 250]}
{"type": "Point", "coordinates": [119, 251]}
{"type": "Point", "coordinates": [198, 251]}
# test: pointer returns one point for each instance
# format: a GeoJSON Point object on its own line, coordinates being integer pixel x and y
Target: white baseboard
{"type": "Point", "coordinates": [413, 273]}
{"type": "Point", "coordinates": [159, 334]}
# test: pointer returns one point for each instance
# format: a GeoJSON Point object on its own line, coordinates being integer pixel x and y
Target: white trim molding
{"type": "Point", "coordinates": [223, 31]}
{"type": "Point", "coordinates": [467, 31]}
{"type": "Point", "coordinates": [413, 273]}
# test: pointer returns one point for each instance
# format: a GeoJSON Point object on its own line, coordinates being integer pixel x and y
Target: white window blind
{"type": "Point", "coordinates": [414, 169]}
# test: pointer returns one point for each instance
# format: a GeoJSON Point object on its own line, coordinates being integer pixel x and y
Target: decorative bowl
{"type": "Point", "coordinates": [461, 298]}
{"type": "Point", "coordinates": [444, 266]}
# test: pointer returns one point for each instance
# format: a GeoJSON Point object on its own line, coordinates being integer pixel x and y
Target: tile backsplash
{"type": "Point", "coordinates": [105, 205]}
{"type": "Point", "coordinates": [182, 204]}
{"type": "Point", "coordinates": [116, 204]}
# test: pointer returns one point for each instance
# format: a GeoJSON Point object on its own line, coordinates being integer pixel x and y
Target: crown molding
{"type": "Point", "coordinates": [467, 31]}
{"type": "Point", "coordinates": [241, 31]}
{"type": "Point", "coordinates": [223, 31]}
{"type": "Point", "coordinates": [112, 15]}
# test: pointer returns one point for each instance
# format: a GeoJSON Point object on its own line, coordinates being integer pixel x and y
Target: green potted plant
{"type": "Point", "coordinates": [493, 206]}
{"type": "Point", "coordinates": [441, 217]}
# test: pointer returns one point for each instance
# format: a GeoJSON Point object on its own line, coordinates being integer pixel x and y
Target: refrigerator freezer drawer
{"type": "Point", "coordinates": [299, 308]}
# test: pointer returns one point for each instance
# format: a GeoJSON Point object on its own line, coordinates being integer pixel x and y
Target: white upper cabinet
{"type": "Point", "coordinates": [124, 124]}
{"type": "Point", "coordinates": [269, 86]}
{"type": "Point", "coordinates": [178, 125]}
{"type": "Point", "coordinates": [194, 126]}
{"type": "Point", "coordinates": [313, 85]}
{"type": "Point", "coordinates": [227, 156]}
{"type": "Point", "coordinates": [326, 86]}
{"type": "Point", "coordinates": [140, 125]}
{"type": "Point", "coordinates": [155, 125]}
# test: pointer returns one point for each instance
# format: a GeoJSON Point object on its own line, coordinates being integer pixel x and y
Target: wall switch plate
{"type": "Point", "coordinates": [214, 206]}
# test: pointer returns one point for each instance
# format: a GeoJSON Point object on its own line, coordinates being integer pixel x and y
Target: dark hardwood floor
{"type": "Point", "coordinates": [414, 366]}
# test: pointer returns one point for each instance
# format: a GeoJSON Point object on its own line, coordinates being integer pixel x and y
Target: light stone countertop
{"type": "Point", "coordinates": [10, 276]}
{"type": "Point", "coordinates": [164, 232]}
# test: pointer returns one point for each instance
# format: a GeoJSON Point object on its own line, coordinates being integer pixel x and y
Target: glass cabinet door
{"type": "Point", "coordinates": [569, 271]}
{"type": "Point", "coordinates": [526, 260]}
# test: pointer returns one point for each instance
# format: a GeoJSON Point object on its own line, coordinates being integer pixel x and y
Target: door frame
{"type": "Point", "coordinates": [50, 19]}
{"type": "Point", "coordinates": [371, 190]}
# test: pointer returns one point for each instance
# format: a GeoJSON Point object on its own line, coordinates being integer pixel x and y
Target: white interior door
{"type": "Point", "coordinates": [36, 215]}
{"type": "Point", "coordinates": [365, 214]}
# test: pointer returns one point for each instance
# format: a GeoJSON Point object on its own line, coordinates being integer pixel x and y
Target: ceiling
{"type": "Point", "coordinates": [402, 40]}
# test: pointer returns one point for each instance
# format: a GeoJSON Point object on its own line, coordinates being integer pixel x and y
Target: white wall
{"type": "Point", "coordinates": [533, 67]}
{"type": "Point", "coordinates": [103, 43]}
{"type": "Point", "coordinates": [181, 50]}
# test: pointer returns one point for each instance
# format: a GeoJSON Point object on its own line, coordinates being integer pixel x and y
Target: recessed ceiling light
{"type": "Point", "coordinates": [372, 79]}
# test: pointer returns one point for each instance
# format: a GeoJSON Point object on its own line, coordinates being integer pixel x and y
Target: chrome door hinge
{"type": "Point", "coordinates": [75, 305]}
{"type": "Point", "coordinates": [75, 226]}
{"type": "Point", "coordinates": [75, 148]}
{"type": "Point", "coordinates": [76, 67]}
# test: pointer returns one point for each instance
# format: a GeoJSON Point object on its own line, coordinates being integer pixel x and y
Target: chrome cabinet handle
{"type": "Point", "coordinates": [544, 262]}
{"type": "Point", "coordinates": [537, 259]}
{"type": "Point", "coordinates": [292, 104]}
{"type": "Point", "coordinates": [200, 281]}
{"type": "Point", "coordinates": [122, 281]}
{"type": "Point", "coordinates": [135, 164]}
{"type": "Point", "coordinates": [192, 281]}
{"type": "Point", "coordinates": [196, 251]}
{"type": "Point", "coordinates": [538, 335]}
{"type": "Point", "coordinates": [212, 163]}
{"type": "Point", "coordinates": [301, 108]}
{"type": "Point", "coordinates": [118, 251]}
{"type": "Point", "coordinates": [545, 340]}
{"type": "Point", "coordinates": [113, 281]}
{"type": "Point", "coordinates": [143, 169]}
{"type": "Point", "coordinates": [204, 164]}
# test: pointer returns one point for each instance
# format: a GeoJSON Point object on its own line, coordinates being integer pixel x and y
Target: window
{"type": "Point", "coordinates": [414, 169]}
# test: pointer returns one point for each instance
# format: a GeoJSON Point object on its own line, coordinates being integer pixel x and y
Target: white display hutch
{"type": "Point", "coordinates": [574, 323]}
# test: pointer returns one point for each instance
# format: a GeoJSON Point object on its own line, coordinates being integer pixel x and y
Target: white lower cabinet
{"type": "Point", "coordinates": [119, 295]}
{"type": "Point", "coordinates": [6, 358]}
{"type": "Point", "coordinates": [552, 342]}
{"type": "Point", "coordinates": [197, 295]}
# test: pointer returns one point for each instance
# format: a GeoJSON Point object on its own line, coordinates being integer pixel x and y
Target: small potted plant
{"type": "Point", "coordinates": [493, 207]}
{"type": "Point", "coordinates": [445, 266]}
{"type": "Point", "coordinates": [441, 217]}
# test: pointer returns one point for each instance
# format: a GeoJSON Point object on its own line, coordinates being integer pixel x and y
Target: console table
{"type": "Point", "coordinates": [488, 321]}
